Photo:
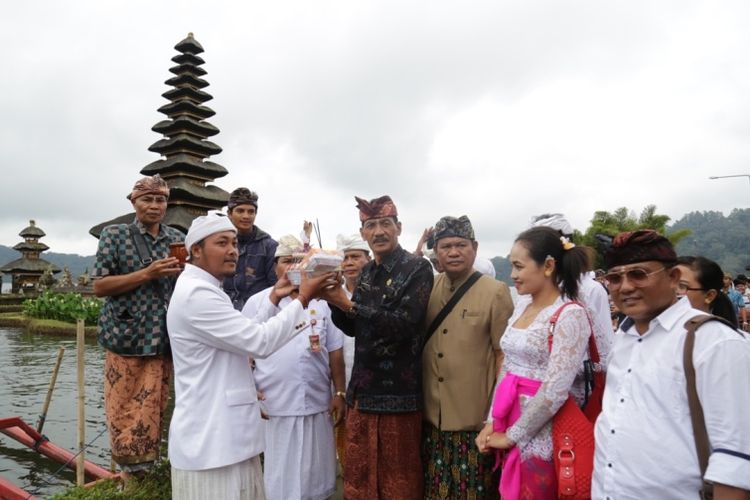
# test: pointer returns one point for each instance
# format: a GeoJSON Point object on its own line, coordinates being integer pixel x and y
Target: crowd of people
{"type": "Point", "coordinates": [418, 374]}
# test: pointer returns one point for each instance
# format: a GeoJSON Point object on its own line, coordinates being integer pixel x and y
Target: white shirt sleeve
{"type": "Point", "coordinates": [334, 336]}
{"type": "Point", "coordinates": [259, 307]}
{"type": "Point", "coordinates": [596, 300]}
{"type": "Point", "coordinates": [217, 324]}
{"type": "Point", "coordinates": [722, 372]}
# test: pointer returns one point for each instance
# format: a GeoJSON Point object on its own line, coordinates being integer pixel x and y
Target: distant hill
{"type": "Point", "coordinates": [76, 263]}
{"type": "Point", "coordinates": [723, 239]}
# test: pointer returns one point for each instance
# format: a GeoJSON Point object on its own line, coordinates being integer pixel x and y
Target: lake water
{"type": "Point", "coordinates": [26, 363]}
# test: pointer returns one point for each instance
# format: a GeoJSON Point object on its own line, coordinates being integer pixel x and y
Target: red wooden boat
{"type": "Point", "coordinates": [22, 432]}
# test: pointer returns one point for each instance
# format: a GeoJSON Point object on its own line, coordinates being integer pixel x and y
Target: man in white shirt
{"type": "Point", "coordinates": [300, 456]}
{"type": "Point", "coordinates": [216, 435]}
{"type": "Point", "coordinates": [356, 255]}
{"type": "Point", "coordinates": [645, 446]}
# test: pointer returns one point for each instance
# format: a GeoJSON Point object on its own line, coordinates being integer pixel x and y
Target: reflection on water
{"type": "Point", "coordinates": [26, 363]}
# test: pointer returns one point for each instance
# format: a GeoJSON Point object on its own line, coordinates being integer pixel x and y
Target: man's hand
{"type": "Point", "coordinates": [338, 409]}
{"type": "Point", "coordinates": [312, 288]}
{"type": "Point", "coordinates": [725, 492]}
{"type": "Point", "coordinates": [307, 228]}
{"type": "Point", "coordinates": [282, 288]}
{"type": "Point", "coordinates": [425, 236]}
{"type": "Point", "coordinates": [263, 412]}
{"type": "Point", "coordinates": [337, 297]}
{"type": "Point", "coordinates": [162, 268]}
{"type": "Point", "coordinates": [117, 284]}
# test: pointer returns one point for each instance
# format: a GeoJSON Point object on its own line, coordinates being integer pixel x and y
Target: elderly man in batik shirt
{"type": "Point", "coordinates": [255, 268]}
{"type": "Point", "coordinates": [300, 455]}
{"type": "Point", "coordinates": [137, 281]}
{"type": "Point", "coordinates": [460, 363]}
{"type": "Point", "coordinates": [385, 316]}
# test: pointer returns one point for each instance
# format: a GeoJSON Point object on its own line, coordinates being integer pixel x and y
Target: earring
{"type": "Point", "coordinates": [547, 273]}
{"type": "Point", "coordinates": [706, 301]}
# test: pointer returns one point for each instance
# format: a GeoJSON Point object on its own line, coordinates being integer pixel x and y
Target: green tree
{"type": "Point", "coordinates": [623, 219]}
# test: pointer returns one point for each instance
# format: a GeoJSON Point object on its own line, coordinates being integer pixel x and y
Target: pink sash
{"type": "Point", "coordinates": [506, 409]}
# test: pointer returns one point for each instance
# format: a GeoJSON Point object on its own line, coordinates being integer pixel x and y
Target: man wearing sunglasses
{"type": "Point", "coordinates": [645, 447]}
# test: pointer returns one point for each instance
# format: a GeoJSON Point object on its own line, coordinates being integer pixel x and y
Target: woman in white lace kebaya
{"type": "Point", "coordinates": [534, 382]}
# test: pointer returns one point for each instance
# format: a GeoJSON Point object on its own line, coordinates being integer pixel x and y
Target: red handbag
{"type": "Point", "coordinates": [573, 427]}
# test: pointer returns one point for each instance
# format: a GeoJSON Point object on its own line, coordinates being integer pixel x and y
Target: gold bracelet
{"type": "Point", "coordinates": [340, 393]}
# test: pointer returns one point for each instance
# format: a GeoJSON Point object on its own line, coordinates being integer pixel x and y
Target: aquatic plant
{"type": "Point", "coordinates": [68, 307]}
{"type": "Point", "coordinates": [155, 485]}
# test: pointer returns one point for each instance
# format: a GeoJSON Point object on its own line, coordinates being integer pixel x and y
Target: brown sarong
{"type": "Point", "coordinates": [136, 390]}
{"type": "Point", "coordinates": [383, 456]}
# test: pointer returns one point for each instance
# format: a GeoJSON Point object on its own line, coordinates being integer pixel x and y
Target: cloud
{"type": "Point", "coordinates": [496, 110]}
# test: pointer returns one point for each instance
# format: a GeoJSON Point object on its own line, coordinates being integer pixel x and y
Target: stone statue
{"type": "Point", "coordinates": [46, 280]}
{"type": "Point", "coordinates": [84, 279]}
{"type": "Point", "coordinates": [67, 279]}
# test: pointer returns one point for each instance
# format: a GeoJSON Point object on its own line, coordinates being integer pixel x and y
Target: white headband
{"type": "Point", "coordinates": [353, 242]}
{"type": "Point", "coordinates": [205, 226]}
{"type": "Point", "coordinates": [288, 245]}
{"type": "Point", "coordinates": [557, 222]}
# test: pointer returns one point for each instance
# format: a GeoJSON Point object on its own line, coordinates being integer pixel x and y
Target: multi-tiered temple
{"type": "Point", "coordinates": [26, 271]}
{"type": "Point", "coordinates": [184, 148]}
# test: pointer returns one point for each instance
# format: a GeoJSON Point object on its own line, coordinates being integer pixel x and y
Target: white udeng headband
{"type": "Point", "coordinates": [205, 226]}
{"type": "Point", "coordinates": [353, 242]}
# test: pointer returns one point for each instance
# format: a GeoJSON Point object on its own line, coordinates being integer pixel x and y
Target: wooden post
{"type": "Point", "coordinates": [80, 345]}
{"type": "Point", "coordinates": [48, 399]}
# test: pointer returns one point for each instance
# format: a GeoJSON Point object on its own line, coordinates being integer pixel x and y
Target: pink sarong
{"type": "Point", "coordinates": [506, 409]}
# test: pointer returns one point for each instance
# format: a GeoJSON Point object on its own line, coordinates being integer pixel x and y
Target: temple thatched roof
{"type": "Point", "coordinates": [33, 266]}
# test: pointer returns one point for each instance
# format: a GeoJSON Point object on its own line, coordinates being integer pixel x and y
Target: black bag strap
{"type": "Point", "coordinates": [700, 434]}
{"type": "Point", "coordinates": [448, 307]}
{"type": "Point", "coordinates": [144, 254]}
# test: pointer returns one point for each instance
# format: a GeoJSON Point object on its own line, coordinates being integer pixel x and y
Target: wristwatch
{"type": "Point", "coordinates": [340, 393]}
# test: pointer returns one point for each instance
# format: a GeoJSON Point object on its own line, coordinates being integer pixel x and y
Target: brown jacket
{"type": "Point", "coordinates": [458, 362]}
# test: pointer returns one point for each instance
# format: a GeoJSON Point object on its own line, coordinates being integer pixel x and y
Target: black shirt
{"type": "Point", "coordinates": [391, 300]}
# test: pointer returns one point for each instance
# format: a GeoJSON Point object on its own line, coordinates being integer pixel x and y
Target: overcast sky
{"type": "Point", "coordinates": [498, 110]}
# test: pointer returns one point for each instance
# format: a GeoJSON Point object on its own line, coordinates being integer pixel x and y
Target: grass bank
{"type": "Point", "coordinates": [156, 485]}
{"type": "Point", "coordinates": [41, 326]}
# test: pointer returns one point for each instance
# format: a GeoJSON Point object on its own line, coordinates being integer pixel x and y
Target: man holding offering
{"type": "Point", "coordinates": [385, 315]}
{"type": "Point", "coordinates": [216, 434]}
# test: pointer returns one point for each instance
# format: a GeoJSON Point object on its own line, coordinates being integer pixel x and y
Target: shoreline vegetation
{"type": "Point", "coordinates": [17, 319]}
{"type": "Point", "coordinates": [155, 485]}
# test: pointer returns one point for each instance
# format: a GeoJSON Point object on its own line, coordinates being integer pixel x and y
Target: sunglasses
{"type": "Point", "coordinates": [684, 287]}
{"type": "Point", "coordinates": [636, 276]}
